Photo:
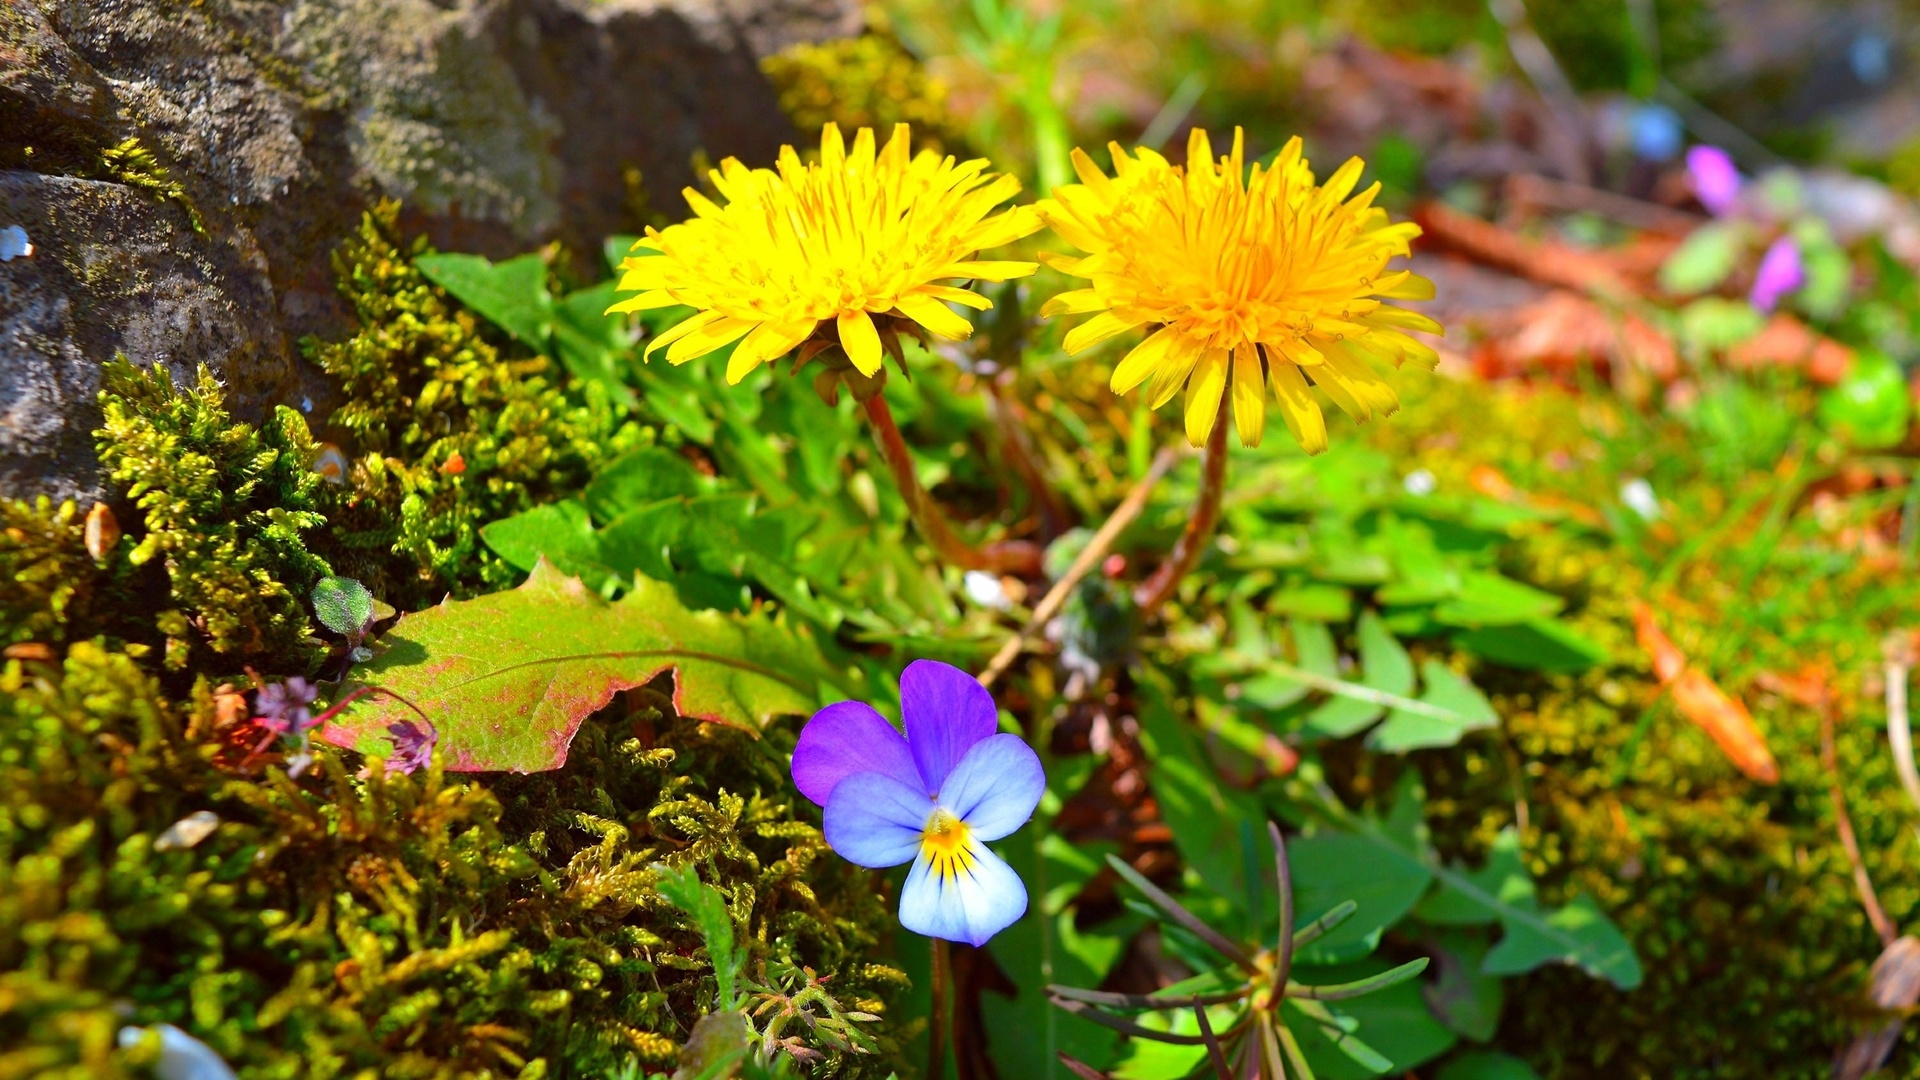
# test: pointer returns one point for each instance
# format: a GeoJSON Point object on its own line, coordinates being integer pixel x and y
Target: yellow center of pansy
{"type": "Point", "coordinates": [945, 841]}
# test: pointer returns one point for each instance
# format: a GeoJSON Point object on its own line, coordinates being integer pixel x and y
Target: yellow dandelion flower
{"type": "Point", "coordinates": [858, 235]}
{"type": "Point", "coordinates": [1251, 281]}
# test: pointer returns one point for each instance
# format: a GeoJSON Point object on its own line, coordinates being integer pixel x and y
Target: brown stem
{"type": "Point", "coordinates": [1869, 899]}
{"type": "Point", "coordinates": [937, 1028]}
{"type": "Point", "coordinates": [1089, 556]}
{"type": "Point", "coordinates": [1155, 591]}
{"type": "Point", "coordinates": [1015, 557]}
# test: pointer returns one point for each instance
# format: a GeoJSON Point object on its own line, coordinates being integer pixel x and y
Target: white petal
{"type": "Point", "coordinates": [971, 905]}
{"type": "Point", "coordinates": [995, 786]}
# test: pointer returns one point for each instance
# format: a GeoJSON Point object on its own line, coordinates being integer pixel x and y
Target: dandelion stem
{"type": "Point", "coordinates": [1155, 591]}
{"type": "Point", "coordinates": [1016, 557]}
{"type": "Point", "coordinates": [942, 994]}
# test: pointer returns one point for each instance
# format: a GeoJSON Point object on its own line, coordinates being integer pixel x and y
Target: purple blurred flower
{"type": "Point", "coordinates": [282, 707]}
{"type": "Point", "coordinates": [412, 746]}
{"type": "Point", "coordinates": [933, 797]}
{"type": "Point", "coordinates": [1780, 273]}
{"type": "Point", "coordinates": [1716, 181]}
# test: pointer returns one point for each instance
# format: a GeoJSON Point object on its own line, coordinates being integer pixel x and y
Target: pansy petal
{"type": "Point", "coordinates": [845, 739]}
{"type": "Point", "coordinates": [980, 898]}
{"type": "Point", "coordinates": [946, 711]}
{"type": "Point", "coordinates": [876, 821]}
{"type": "Point", "coordinates": [995, 787]}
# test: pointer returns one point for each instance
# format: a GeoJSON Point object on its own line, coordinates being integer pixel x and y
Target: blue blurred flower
{"type": "Point", "coordinates": [933, 797]}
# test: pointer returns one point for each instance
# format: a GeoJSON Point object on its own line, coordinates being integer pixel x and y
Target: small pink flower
{"type": "Point", "coordinates": [1716, 181]}
{"type": "Point", "coordinates": [1780, 273]}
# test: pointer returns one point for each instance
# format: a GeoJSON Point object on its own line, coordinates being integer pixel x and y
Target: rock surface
{"type": "Point", "coordinates": [500, 124]}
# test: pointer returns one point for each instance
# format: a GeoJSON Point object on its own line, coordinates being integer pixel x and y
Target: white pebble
{"type": "Point", "coordinates": [188, 831]}
{"type": "Point", "coordinates": [14, 244]}
{"type": "Point", "coordinates": [1639, 497]}
{"type": "Point", "coordinates": [985, 589]}
{"type": "Point", "coordinates": [182, 1057]}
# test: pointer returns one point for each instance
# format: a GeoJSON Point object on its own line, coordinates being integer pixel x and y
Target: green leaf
{"type": "Point", "coordinates": [507, 678]}
{"type": "Point", "coordinates": [558, 532]}
{"type": "Point", "coordinates": [1465, 998]}
{"type": "Point", "coordinates": [1394, 1021]}
{"type": "Point", "coordinates": [1705, 259]}
{"type": "Point", "coordinates": [1577, 934]}
{"type": "Point", "coordinates": [1385, 668]}
{"type": "Point", "coordinates": [1203, 814]}
{"type": "Point", "coordinates": [1449, 708]}
{"type": "Point", "coordinates": [512, 295]}
{"type": "Point", "coordinates": [640, 477]}
{"type": "Point", "coordinates": [1535, 645]}
{"type": "Point", "coordinates": [1386, 879]}
{"type": "Point", "coordinates": [1045, 947]}
{"type": "Point", "coordinates": [681, 396]}
{"type": "Point", "coordinates": [591, 342]}
{"type": "Point", "coordinates": [342, 605]}
{"type": "Point", "coordinates": [1486, 1065]}
{"type": "Point", "coordinates": [1313, 600]}
{"type": "Point", "coordinates": [1871, 407]}
{"type": "Point", "coordinates": [1327, 1038]}
{"type": "Point", "coordinates": [1458, 707]}
{"type": "Point", "coordinates": [683, 889]}
{"type": "Point", "coordinates": [1714, 323]}
{"type": "Point", "coordinates": [1488, 599]}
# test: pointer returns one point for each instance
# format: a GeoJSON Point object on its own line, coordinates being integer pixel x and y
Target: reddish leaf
{"type": "Point", "coordinates": [508, 678]}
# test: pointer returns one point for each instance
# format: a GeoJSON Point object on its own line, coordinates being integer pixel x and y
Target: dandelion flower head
{"type": "Point", "coordinates": [843, 245]}
{"type": "Point", "coordinates": [1247, 281]}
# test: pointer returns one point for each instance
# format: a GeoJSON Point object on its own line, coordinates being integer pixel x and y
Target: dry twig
{"type": "Point", "coordinates": [1089, 557]}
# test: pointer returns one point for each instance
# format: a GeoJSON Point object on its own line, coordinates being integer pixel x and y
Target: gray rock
{"type": "Point", "coordinates": [500, 124]}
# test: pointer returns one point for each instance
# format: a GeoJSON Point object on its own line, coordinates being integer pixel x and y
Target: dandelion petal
{"type": "Point", "coordinates": [995, 786]}
{"type": "Point", "coordinates": [971, 905]}
{"type": "Point", "coordinates": [876, 821]}
{"type": "Point", "coordinates": [946, 713]}
{"type": "Point", "coordinates": [845, 739]}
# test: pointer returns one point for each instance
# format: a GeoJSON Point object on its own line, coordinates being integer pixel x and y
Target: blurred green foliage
{"type": "Point", "coordinates": [866, 81]}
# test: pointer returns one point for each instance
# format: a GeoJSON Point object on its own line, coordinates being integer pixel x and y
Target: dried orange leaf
{"type": "Point", "coordinates": [1702, 701]}
{"type": "Point", "coordinates": [1668, 660]}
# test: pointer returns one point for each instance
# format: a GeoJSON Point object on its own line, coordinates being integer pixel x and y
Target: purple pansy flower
{"type": "Point", "coordinates": [1780, 273]}
{"type": "Point", "coordinates": [1716, 181]}
{"type": "Point", "coordinates": [934, 796]}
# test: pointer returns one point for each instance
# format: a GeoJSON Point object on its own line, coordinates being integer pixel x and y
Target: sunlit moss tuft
{"type": "Point", "coordinates": [451, 429]}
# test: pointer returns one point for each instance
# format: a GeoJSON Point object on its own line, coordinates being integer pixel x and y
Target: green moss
{"type": "Point", "coordinates": [867, 81]}
{"type": "Point", "coordinates": [1736, 895]}
{"type": "Point", "coordinates": [453, 430]}
{"type": "Point", "coordinates": [130, 163]}
{"type": "Point", "coordinates": [43, 555]}
{"type": "Point", "coordinates": [223, 507]}
{"type": "Point", "coordinates": [425, 926]}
